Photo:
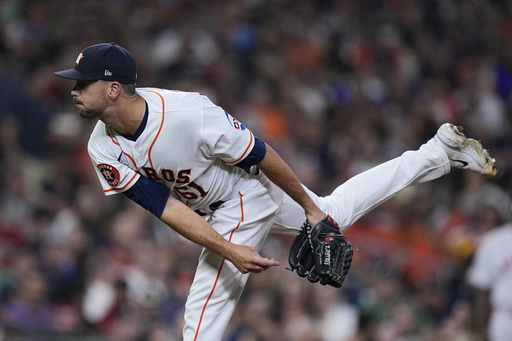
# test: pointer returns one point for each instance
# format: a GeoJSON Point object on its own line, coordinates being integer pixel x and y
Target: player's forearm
{"type": "Point", "coordinates": [280, 173]}
{"type": "Point", "coordinates": [190, 225]}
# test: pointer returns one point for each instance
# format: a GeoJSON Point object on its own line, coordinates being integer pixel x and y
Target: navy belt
{"type": "Point", "coordinates": [212, 207]}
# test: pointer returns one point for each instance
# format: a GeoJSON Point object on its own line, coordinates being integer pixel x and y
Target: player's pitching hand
{"type": "Point", "coordinates": [247, 259]}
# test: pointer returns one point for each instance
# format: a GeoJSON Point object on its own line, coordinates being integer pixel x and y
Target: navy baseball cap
{"type": "Point", "coordinates": [106, 61]}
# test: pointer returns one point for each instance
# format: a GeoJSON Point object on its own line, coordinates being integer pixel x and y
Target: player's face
{"type": "Point", "coordinates": [90, 98]}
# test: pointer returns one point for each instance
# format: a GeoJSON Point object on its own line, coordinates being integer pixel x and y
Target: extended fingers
{"type": "Point", "coordinates": [247, 259]}
{"type": "Point", "coordinates": [262, 264]}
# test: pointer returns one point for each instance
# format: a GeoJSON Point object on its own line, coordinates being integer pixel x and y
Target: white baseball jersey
{"type": "Point", "coordinates": [188, 145]}
{"type": "Point", "coordinates": [491, 268]}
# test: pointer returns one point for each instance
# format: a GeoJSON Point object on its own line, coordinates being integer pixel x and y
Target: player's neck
{"type": "Point", "coordinates": [126, 116]}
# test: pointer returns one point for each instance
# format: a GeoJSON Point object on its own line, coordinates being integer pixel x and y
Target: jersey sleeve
{"type": "Point", "coordinates": [105, 153]}
{"type": "Point", "coordinates": [224, 136]}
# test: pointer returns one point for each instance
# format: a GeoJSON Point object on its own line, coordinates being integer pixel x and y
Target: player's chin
{"type": "Point", "coordinates": [82, 112]}
{"type": "Point", "coordinates": [85, 113]}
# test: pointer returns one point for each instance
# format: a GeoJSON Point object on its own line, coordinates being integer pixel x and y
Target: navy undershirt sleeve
{"type": "Point", "coordinates": [149, 195]}
{"type": "Point", "coordinates": [256, 155]}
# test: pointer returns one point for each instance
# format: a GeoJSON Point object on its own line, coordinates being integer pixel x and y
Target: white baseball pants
{"type": "Point", "coordinates": [260, 207]}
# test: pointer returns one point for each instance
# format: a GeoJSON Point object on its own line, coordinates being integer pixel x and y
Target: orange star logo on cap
{"type": "Point", "coordinates": [80, 56]}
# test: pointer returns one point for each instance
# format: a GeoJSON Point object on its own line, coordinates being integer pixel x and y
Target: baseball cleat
{"type": "Point", "coordinates": [465, 153]}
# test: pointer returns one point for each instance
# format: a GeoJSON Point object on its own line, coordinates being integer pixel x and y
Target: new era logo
{"type": "Point", "coordinates": [108, 73]}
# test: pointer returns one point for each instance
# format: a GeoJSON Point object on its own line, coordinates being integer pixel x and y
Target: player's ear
{"type": "Point", "coordinates": [115, 89]}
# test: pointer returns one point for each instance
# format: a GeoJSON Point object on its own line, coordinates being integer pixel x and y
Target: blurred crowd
{"type": "Point", "coordinates": [335, 86]}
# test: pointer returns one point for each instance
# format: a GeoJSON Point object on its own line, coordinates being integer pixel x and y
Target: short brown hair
{"type": "Point", "coordinates": [129, 89]}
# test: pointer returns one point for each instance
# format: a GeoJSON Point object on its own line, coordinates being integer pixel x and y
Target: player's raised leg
{"type": "Point", "coordinates": [450, 148]}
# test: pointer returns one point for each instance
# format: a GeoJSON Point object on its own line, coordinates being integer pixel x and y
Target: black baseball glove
{"type": "Point", "coordinates": [321, 253]}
